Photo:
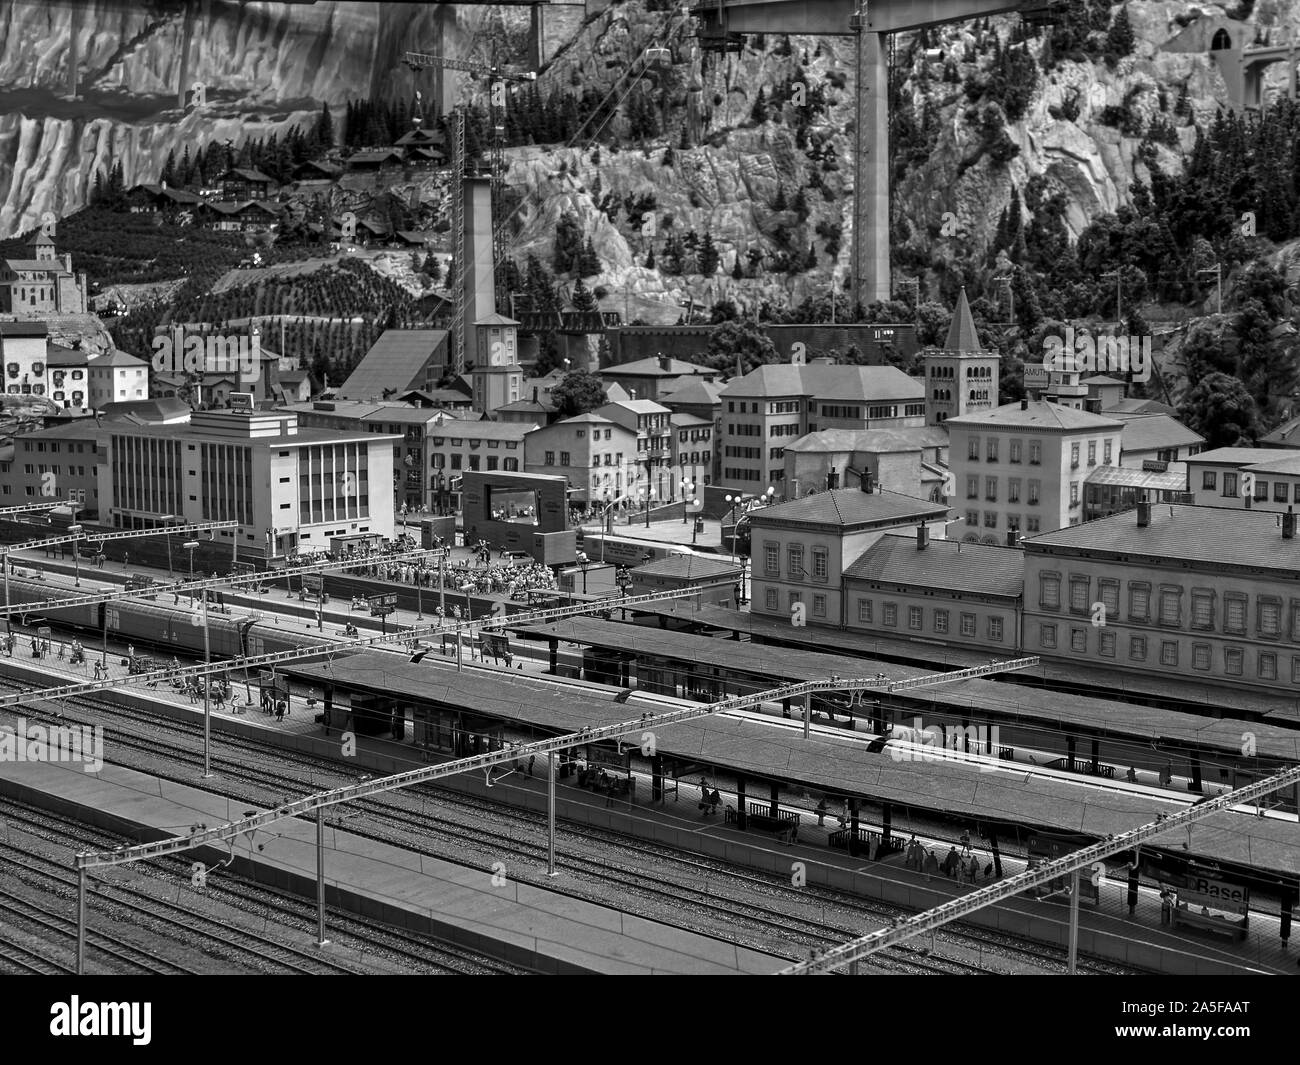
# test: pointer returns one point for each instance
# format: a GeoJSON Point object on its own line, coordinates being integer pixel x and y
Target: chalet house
{"type": "Point", "coordinates": [241, 183]}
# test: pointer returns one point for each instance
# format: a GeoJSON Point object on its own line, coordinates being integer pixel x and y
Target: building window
{"type": "Point", "coordinates": [1035, 453]}
{"type": "Point", "coordinates": [1106, 454]}
{"type": "Point", "coordinates": [1280, 491]}
{"type": "Point", "coordinates": [1209, 479]}
{"type": "Point", "coordinates": [1261, 490]}
{"type": "Point", "coordinates": [1137, 648]}
{"type": "Point", "coordinates": [1202, 609]}
{"type": "Point", "coordinates": [995, 629]}
{"type": "Point", "coordinates": [1078, 640]}
{"type": "Point", "coordinates": [770, 601]}
{"type": "Point", "coordinates": [1031, 524]}
{"type": "Point", "coordinates": [1074, 456]}
{"type": "Point", "coordinates": [1268, 619]}
{"type": "Point", "coordinates": [864, 610]}
{"type": "Point", "coordinates": [914, 619]}
{"type": "Point", "coordinates": [1033, 493]}
{"type": "Point", "coordinates": [1049, 591]}
{"type": "Point", "coordinates": [990, 519]}
{"type": "Point", "coordinates": [1047, 635]}
{"type": "Point", "coordinates": [819, 606]}
{"type": "Point", "coordinates": [1139, 601]}
{"type": "Point", "coordinates": [794, 561]}
{"type": "Point", "coordinates": [1169, 652]}
{"type": "Point", "coordinates": [891, 614]}
{"type": "Point", "coordinates": [1267, 665]}
{"type": "Point", "coordinates": [991, 489]}
{"type": "Point", "coordinates": [1109, 596]}
{"type": "Point", "coordinates": [795, 600]}
{"type": "Point", "coordinates": [772, 558]}
{"type": "Point", "coordinates": [1171, 612]}
{"type": "Point", "coordinates": [1200, 656]}
{"type": "Point", "coordinates": [1079, 598]}
{"type": "Point", "coordinates": [941, 621]}
{"type": "Point", "coordinates": [1015, 450]}
{"type": "Point", "coordinates": [1295, 669]}
{"type": "Point", "coordinates": [1106, 644]}
{"type": "Point", "coordinates": [1092, 452]}
{"type": "Point", "coordinates": [1232, 659]}
{"type": "Point", "coordinates": [820, 565]}
{"type": "Point", "coordinates": [550, 458]}
{"type": "Point", "coordinates": [972, 487]}
{"type": "Point", "coordinates": [968, 624]}
{"type": "Point", "coordinates": [1234, 613]}
{"type": "Point", "coordinates": [1230, 485]}
{"type": "Point", "coordinates": [974, 452]}
{"type": "Point", "coordinates": [993, 449]}
{"type": "Point", "coordinates": [973, 519]}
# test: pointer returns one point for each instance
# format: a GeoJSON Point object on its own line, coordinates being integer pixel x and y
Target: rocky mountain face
{"type": "Point", "coordinates": [265, 66]}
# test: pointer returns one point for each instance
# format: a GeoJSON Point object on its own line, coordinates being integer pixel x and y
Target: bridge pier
{"type": "Point", "coordinates": [871, 171]}
{"type": "Point", "coordinates": [537, 37]}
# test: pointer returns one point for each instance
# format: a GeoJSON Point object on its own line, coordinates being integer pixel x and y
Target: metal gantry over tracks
{"type": "Point", "coordinates": [642, 727]}
{"type": "Point", "coordinates": [864, 946]}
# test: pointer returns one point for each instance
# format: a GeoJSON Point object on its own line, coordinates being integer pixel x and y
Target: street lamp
{"type": "Point", "coordinates": [688, 491]}
{"type": "Point", "coordinates": [583, 563]}
{"type": "Point", "coordinates": [649, 495]}
{"type": "Point", "coordinates": [466, 588]}
{"type": "Point", "coordinates": [73, 530]}
{"type": "Point", "coordinates": [189, 546]}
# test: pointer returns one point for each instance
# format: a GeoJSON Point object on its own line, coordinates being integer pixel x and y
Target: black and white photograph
{"type": "Point", "coordinates": [628, 488]}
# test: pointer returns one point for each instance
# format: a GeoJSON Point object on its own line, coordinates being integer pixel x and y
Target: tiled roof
{"type": "Point", "coordinates": [1127, 477]}
{"type": "Point", "coordinates": [1284, 463]}
{"type": "Point", "coordinates": [849, 506]}
{"type": "Point", "coordinates": [688, 566]}
{"type": "Point", "coordinates": [694, 392]}
{"type": "Point", "coordinates": [116, 357]}
{"type": "Point", "coordinates": [591, 417]}
{"type": "Point", "coordinates": [1149, 432]}
{"type": "Point", "coordinates": [846, 383]}
{"type": "Point", "coordinates": [248, 174]}
{"type": "Point", "coordinates": [484, 430]}
{"type": "Point", "coordinates": [947, 564]}
{"type": "Point", "coordinates": [1037, 414]}
{"type": "Point", "coordinates": [653, 368]}
{"type": "Point", "coordinates": [394, 361]}
{"type": "Point", "coordinates": [1139, 406]}
{"type": "Point", "coordinates": [641, 406]}
{"type": "Point", "coordinates": [24, 329]}
{"type": "Point", "coordinates": [496, 319]}
{"type": "Point", "coordinates": [1288, 434]}
{"type": "Point", "coordinates": [57, 355]}
{"type": "Point", "coordinates": [1235, 456]}
{"type": "Point", "coordinates": [872, 440]}
{"type": "Point", "coordinates": [1183, 533]}
{"type": "Point", "coordinates": [1100, 379]}
{"type": "Point", "coordinates": [51, 266]}
{"type": "Point", "coordinates": [684, 421]}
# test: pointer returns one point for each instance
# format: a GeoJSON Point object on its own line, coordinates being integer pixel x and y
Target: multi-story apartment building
{"type": "Point", "coordinates": [589, 450]}
{"type": "Point", "coordinates": [1245, 478]}
{"type": "Point", "coordinates": [651, 423]}
{"type": "Point", "coordinates": [430, 448]}
{"type": "Point", "coordinates": [1023, 466]}
{"type": "Point", "coordinates": [775, 405]}
{"type": "Point", "coordinates": [703, 399]}
{"type": "Point", "coordinates": [692, 448]}
{"type": "Point", "coordinates": [1156, 438]}
{"type": "Point", "coordinates": [800, 549]}
{"type": "Point", "coordinates": [61, 462]}
{"type": "Point", "coordinates": [23, 350]}
{"type": "Point", "coordinates": [1183, 591]}
{"type": "Point", "coordinates": [654, 378]}
{"type": "Point", "coordinates": [289, 488]}
{"type": "Point", "coordinates": [911, 587]}
{"type": "Point", "coordinates": [117, 377]}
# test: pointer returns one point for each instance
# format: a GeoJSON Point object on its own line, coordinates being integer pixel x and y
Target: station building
{"type": "Point", "coordinates": [802, 548]}
{"type": "Point", "coordinates": [289, 488]}
{"type": "Point", "coordinates": [960, 594]}
{"type": "Point", "coordinates": [1185, 591]}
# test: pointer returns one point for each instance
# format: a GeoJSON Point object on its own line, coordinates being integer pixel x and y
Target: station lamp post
{"type": "Point", "coordinates": [73, 530]}
{"type": "Point", "coordinates": [190, 546]}
{"type": "Point", "coordinates": [688, 496]}
{"type": "Point", "coordinates": [583, 563]}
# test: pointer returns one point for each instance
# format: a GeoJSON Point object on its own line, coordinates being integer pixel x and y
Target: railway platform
{"type": "Point", "coordinates": [543, 930]}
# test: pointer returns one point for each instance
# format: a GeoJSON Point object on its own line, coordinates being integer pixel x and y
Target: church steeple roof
{"type": "Point", "coordinates": [961, 334]}
{"type": "Point", "coordinates": [41, 238]}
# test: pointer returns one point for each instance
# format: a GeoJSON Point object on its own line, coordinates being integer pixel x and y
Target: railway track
{"type": "Point", "coordinates": [720, 905]}
{"type": "Point", "coordinates": [349, 932]}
